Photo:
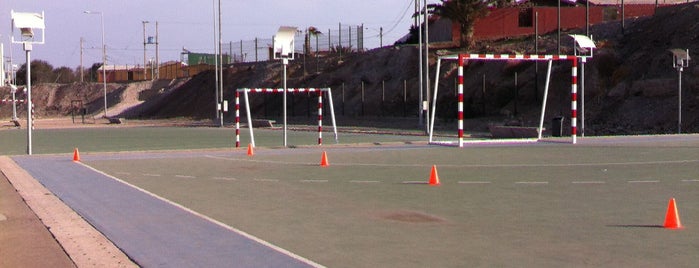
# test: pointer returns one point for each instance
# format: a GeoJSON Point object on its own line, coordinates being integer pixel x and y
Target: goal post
{"type": "Point", "coordinates": [461, 58]}
{"type": "Point", "coordinates": [245, 92]}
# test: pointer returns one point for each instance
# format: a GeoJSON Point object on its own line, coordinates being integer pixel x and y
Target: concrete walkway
{"type": "Point", "coordinates": [151, 231]}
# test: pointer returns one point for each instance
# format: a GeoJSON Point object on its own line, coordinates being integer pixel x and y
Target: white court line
{"type": "Point", "coordinates": [185, 176]}
{"type": "Point", "coordinates": [151, 175]}
{"type": "Point", "coordinates": [414, 182]}
{"type": "Point", "coordinates": [473, 182]}
{"type": "Point", "coordinates": [532, 182]}
{"type": "Point", "coordinates": [267, 180]}
{"type": "Point", "coordinates": [512, 165]}
{"type": "Point", "coordinates": [646, 181]}
{"type": "Point", "coordinates": [309, 181]}
{"type": "Point", "coordinates": [225, 179]}
{"type": "Point", "coordinates": [589, 182]}
{"type": "Point", "coordinates": [359, 181]}
{"type": "Point", "coordinates": [690, 180]}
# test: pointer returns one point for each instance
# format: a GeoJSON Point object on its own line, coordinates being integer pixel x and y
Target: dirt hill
{"type": "Point", "coordinates": [630, 85]}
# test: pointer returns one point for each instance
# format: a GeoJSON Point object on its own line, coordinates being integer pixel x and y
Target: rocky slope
{"type": "Point", "coordinates": [630, 85]}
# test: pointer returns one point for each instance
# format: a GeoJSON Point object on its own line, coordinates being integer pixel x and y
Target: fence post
{"type": "Point", "coordinates": [383, 97]}
{"type": "Point", "coordinates": [362, 98]}
{"type": "Point", "coordinates": [256, 49]}
{"type": "Point", "coordinates": [483, 96]}
{"type": "Point", "coordinates": [349, 40]}
{"type": "Point", "coordinates": [405, 97]}
{"type": "Point", "coordinates": [343, 98]}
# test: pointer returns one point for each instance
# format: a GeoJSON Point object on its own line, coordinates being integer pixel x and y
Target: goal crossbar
{"type": "Point", "coordinates": [530, 57]}
{"type": "Point", "coordinates": [245, 92]}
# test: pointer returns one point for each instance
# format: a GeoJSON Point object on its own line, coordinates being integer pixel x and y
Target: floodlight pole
{"type": "Point", "coordinates": [285, 61]}
{"type": "Point", "coordinates": [220, 68]}
{"type": "Point", "coordinates": [679, 101]}
{"type": "Point", "coordinates": [28, 49]}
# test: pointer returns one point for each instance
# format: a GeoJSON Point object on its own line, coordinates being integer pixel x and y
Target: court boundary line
{"type": "Point", "coordinates": [634, 163]}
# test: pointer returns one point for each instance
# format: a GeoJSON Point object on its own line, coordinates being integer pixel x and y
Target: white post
{"type": "Point", "coordinates": [546, 94]}
{"type": "Point", "coordinates": [582, 96]}
{"type": "Point", "coordinates": [28, 49]}
{"type": "Point", "coordinates": [14, 104]}
{"type": "Point", "coordinates": [434, 99]}
{"type": "Point", "coordinates": [285, 61]}
{"type": "Point", "coordinates": [247, 110]}
{"type": "Point", "coordinates": [679, 101]}
{"type": "Point", "coordinates": [332, 113]}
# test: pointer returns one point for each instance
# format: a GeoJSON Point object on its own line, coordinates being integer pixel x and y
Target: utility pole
{"type": "Point", "coordinates": [145, 73]}
{"type": "Point", "coordinates": [213, 2]}
{"type": "Point", "coordinates": [220, 69]}
{"type": "Point", "coordinates": [2, 64]}
{"type": "Point", "coordinates": [157, 53]}
{"type": "Point", "coordinates": [427, 70]}
{"type": "Point", "coordinates": [82, 74]}
{"type": "Point", "coordinates": [381, 37]}
{"type": "Point", "coordinates": [420, 76]}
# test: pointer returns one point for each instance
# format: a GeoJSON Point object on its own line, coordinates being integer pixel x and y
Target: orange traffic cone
{"type": "Point", "coordinates": [324, 160]}
{"type": "Point", "coordinates": [250, 151]}
{"type": "Point", "coordinates": [76, 155]}
{"type": "Point", "coordinates": [672, 217]}
{"type": "Point", "coordinates": [434, 178]}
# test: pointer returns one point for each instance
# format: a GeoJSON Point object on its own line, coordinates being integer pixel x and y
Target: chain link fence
{"type": "Point", "coordinates": [309, 41]}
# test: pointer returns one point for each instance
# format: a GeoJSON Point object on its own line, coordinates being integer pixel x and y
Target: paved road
{"type": "Point", "coordinates": [149, 230]}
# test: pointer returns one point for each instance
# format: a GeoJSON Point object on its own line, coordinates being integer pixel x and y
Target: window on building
{"type": "Point", "coordinates": [526, 17]}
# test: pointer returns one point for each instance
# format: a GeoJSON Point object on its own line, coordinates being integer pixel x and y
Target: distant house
{"type": "Point", "coordinates": [522, 20]}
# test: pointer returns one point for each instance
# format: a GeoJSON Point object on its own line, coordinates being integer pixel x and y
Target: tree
{"type": "Point", "coordinates": [465, 13]}
{"type": "Point", "coordinates": [42, 72]}
{"type": "Point", "coordinates": [64, 75]}
{"type": "Point", "coordinates": [311, 32]}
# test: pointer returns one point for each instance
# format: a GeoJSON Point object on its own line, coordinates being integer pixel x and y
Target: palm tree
{"type": "Point", "coordinates": [464, 12]}
{"type": "Point", "coordinates": [311, 32]}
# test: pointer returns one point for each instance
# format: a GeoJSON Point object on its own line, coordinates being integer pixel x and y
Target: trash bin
{"type": "Point", "coordinates": [557, 126]}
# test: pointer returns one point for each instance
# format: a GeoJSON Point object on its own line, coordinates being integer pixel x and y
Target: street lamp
{"type": "Point", "coordinates": [104, 58]}
{"type": "Point", "coordinates": [680, 60]}
{"type": "Point", "coordinates": [27, 23]}
{"type": "Point", "coordinates": [284, 50]}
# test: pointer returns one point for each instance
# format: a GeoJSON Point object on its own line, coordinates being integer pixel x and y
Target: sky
{"type": "Point", "coordinates": [189, 24]}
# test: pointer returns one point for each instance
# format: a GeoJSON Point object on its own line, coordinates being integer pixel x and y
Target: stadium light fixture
{"type": "Point", "coordinates": [26, 24]}
{"type": "Point", "coordinates": [680, 60]}
{"type": "Point", "coordinates": [283, 45]}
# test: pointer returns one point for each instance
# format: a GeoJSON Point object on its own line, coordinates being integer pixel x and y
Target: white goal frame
{"type": "Point", "coordinates": [487, 57]}
{"type": "Point", "coordinates": [281, 90]}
